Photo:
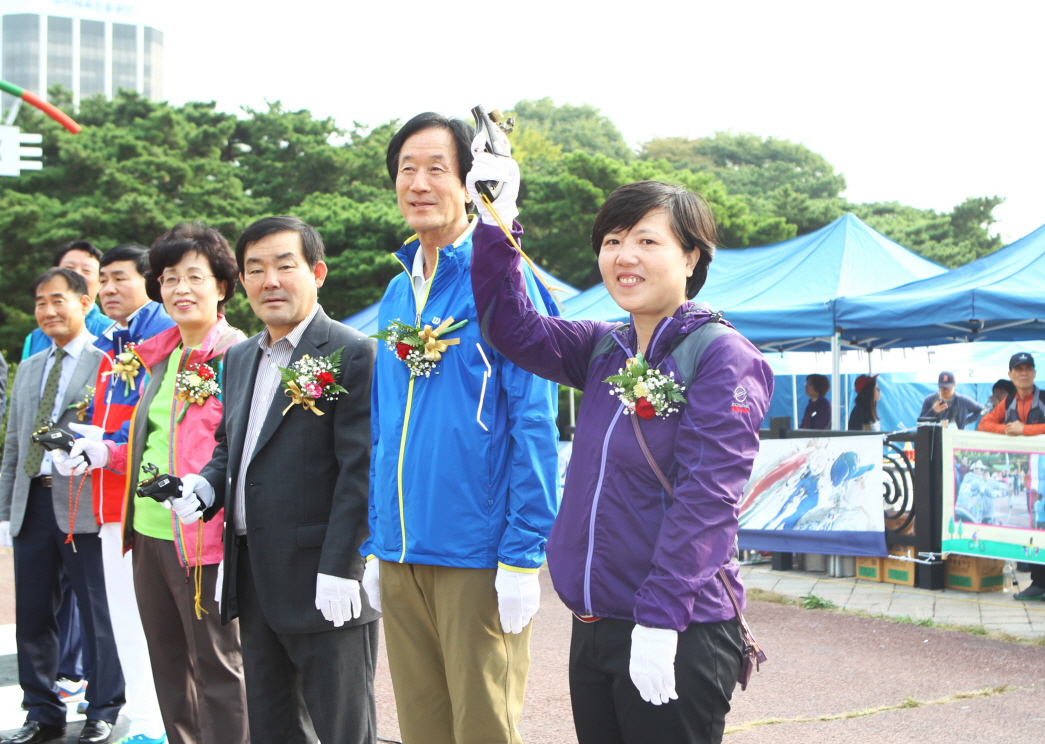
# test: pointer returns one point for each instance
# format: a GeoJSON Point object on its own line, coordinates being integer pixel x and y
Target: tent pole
{"type": "Point", "coordinates": [573, 412]}
{"type": "Point", "coordinates": [794, 401]}
{"type": "Point", "coordinates": [836, 382]}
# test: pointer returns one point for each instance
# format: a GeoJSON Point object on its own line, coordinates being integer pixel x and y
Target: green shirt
{"type": "Point", "coordinates": [150, 518]}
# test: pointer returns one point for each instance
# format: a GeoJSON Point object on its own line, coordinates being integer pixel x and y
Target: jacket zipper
{"type": "Point", "coordinates": [602, 473]}
{"type": "Point", "coordinates": [410, 397]}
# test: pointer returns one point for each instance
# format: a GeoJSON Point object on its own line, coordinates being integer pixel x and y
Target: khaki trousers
{"type": "Point", "coordinates": [458, 679]}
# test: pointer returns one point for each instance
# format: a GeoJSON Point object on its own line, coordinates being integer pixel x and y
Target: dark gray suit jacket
{"type": "Point", "coordinates": [306, 485]}
{"type": "Point", "coordinates": [25, 399]}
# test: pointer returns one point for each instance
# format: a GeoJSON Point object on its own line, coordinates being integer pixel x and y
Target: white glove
{"type": "Point", "coordinates": [372, 583]}
{"type": "Point", "coordinates": [653, 663]}
{"type": "Point", "coordinates": [89, 451]}
{"type": "Point", "coordinates": [68, 466]}
{"type": "Point", "coordinates": [338, 599]}
{"type": "Point", "coordinates": [518, 598]}
{"type": "Point", "coordinates": [5, 534]}
{"type": "Point", "coordinates": [489, 167]}
{"type": "Point", "coordinates": [197, 495]}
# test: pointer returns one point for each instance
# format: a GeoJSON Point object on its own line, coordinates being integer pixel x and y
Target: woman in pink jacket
{"type": "Point", "coordinates": [195, 660]}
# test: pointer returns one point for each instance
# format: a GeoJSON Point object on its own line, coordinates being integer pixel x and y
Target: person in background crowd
{"type": "Point", "coordinates": [818, 411]}
{"type": "Point", "coordinates": [53, 530]}
{"type": "Point", "coordinates": [1021, 414]}
{"type": "Point", "coordinates": [135, 319]}
{"type": "Point", "coordinates": [83, 257]}
{"type": "Point", "coordinates": [463, 471]}
{"type": "Point", "coordinates": [1039, 512]}
{"type": "Point", "coordinates": [864, 416]}
{"type": "Point", "coordinates": [197, 666]}
{"type": "Point", "coordinates": [947, 405]}
{"type": "Point", "coordinates": [642, 558]}
{"type": "Point", "coordinates": [3, 391]}
{"type": "Point", "coordinates": [999, 391]}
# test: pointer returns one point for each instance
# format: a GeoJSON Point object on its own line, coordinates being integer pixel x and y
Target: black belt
{"type": "Point", "coordinates": [241, 541]}
{"type": "Point", "coordinates": [44, 481]}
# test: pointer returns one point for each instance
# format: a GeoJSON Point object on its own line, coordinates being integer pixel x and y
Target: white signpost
{"type": "Point", "coordinates": [12, 151]}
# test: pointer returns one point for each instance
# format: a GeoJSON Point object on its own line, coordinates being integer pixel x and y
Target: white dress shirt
{"type": "Point", "coordinates": [72, 350]}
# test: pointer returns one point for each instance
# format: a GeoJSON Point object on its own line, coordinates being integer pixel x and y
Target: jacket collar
{"type": "Point", "coordinates": [689, 317]}
{"type": "Point", "coordinates": [160, 346]}
{"type": "Point", "coordinates": [144, 323]}
{"type": "Point", "coordinates": [452, 257]}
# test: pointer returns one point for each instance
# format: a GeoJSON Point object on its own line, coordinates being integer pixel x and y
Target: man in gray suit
{"type": "Point", "coordinates": [293, 478]}
{"type": "Point", "coordinates": [51, 521]}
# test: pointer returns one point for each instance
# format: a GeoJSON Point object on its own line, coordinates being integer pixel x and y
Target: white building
{"type": "Point", "coordinates": [90, 47]}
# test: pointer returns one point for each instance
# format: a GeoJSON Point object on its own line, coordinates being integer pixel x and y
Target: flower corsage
{"type": "Point", "coordinates": [80, 406]}
{"type": "Point", "coordinates": [195, 384]}
{"type": "Point", "coordinates": [308, 380]}
{"type": "Point", "coordinates": [644, 391]}
{"type": "Point", "coordinates": [125, 365]}
{"type": "Point", "coordinates": [419, 348]}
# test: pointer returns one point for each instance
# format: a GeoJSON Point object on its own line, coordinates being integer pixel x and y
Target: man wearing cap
{"type": "Point", "coordinates": [1022, 414]}
{"type": "Point", "coordinates": [947, 405]}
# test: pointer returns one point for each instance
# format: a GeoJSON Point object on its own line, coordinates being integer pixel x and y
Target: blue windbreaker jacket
{"type": "Point", "coordinates": [464, 466]}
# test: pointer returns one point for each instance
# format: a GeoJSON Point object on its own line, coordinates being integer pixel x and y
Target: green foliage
{"type": "Point", "coordinates": [813, 602]}
{"type": "Point", "coordinates": [575, 128]}
{"type": "Point", "coordinates": [138, 167]}
{"type": "Point", "coordinates": [951, 239]}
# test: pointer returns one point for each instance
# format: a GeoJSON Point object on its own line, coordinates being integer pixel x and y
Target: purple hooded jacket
{"type": "Point", "coordinates": [620, 546]}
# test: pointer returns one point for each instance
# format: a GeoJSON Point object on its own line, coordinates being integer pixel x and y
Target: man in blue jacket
{"type": "Point", "coordinates": [463, 471]}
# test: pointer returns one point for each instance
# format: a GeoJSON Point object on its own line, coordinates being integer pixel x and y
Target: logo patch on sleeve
{"type": "Point", "coordinates": [739, 398]}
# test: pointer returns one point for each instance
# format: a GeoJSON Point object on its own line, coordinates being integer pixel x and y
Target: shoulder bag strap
{"type": "Point", "coordinates": [745, 631]}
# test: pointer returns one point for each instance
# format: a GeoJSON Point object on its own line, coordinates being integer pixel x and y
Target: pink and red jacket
{"type": "Point", "coordinates": [191, 440]}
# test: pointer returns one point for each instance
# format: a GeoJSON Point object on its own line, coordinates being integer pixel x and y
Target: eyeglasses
{"type": "Point", "coordinates": [170, 281]}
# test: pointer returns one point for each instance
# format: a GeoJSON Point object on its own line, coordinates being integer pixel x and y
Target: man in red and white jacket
{"type": "Point", "coordinates": [135, 319]}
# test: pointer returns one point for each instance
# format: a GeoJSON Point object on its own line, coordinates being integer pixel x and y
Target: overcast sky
{"type": "Point", "coordinates": [925, 103]}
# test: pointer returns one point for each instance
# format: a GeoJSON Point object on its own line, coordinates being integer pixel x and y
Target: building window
{"type": "Point", "coordinates": [21, 52]}
{"type": "Point", "coordinates": [60, 52]}
{"type": "Point", "coordinates": [92, 58]}
{"type": "Point", "coordinates": [124, 57]}
{"type": "Point", "coordinates": [153, 64]}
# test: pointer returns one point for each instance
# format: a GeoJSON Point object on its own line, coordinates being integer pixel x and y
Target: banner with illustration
{"type": "Point", "coordinates": [816, 495]}
{"type": "Point", "coordinates": [993, 502]}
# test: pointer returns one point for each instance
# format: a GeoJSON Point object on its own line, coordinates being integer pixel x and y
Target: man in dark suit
{"type": "Point", "coordinates": [52, 525]}
{"type": "Point", "coordinates": [292, 475]}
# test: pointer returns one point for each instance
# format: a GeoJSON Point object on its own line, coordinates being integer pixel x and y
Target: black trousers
{"type": "Point", "coordinates": [40, 553]}
{"type": "Point", "coordinates": [1037, 574]}
{"type": "Point", "coordinates": [607, 708]}
{"type": "Point", "coordinates": [305, 687]}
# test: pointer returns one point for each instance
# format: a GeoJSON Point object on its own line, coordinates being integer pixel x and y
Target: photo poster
{"type": "Point", "coordinates": [993, 488]}
{"type": "Point", "coordinates": [816, 495]}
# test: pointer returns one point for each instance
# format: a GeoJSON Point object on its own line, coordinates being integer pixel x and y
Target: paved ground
{"type": "Point", "coordinates": [832, 677]}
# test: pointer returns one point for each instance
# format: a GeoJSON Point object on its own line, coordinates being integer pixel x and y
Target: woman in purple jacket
{"type": "Point", "coordinates": [656, 643]}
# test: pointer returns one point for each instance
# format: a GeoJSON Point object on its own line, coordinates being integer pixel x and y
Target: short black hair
{"type": "Point", "coordinates": [311, 242]}
{"type": "Point", "coordinates": [691, 220]}
{"type": "Point", "coordinates": [820, 384]}
{"type": "Point", "coordinates": [1007, 385]}
{"type": "Point", "coordinates": [139, 254]}
{"type": "Point", "coordinates": [168, 249]}
{"type": "Point", "coordinates": [73, 279]}
{"type": "Point", "coordinates": [460, 130]}
{"type": "Point", "coordinates": [77, 245]}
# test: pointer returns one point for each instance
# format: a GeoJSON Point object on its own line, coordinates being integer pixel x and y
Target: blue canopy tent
{"type": "Point", "coordinates": [781, 296]}
{"type": "Point", "coordinates": [996, 298]}
{"type": "Point", "coordinates": [365, 320]}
